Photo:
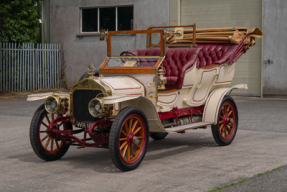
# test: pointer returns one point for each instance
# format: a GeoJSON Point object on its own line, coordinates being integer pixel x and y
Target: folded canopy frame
{"type": "Point", "coordinates": [227, 35]}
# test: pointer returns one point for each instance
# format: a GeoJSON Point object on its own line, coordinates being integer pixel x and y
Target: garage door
{"type": "Point", "coordinates": [230, 13]}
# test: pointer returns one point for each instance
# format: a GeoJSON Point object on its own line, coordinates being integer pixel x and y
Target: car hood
{"type": "Point", "coordinates": [123, 85]}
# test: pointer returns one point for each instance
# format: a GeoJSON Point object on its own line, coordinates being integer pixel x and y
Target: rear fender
{"type": "Point", "coordinates": [210, 112]}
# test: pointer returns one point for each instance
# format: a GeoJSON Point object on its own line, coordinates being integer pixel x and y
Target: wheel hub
{"type": "Point", "coordinates": [52, 133]}
{"type": "Point", "coordinates": [136, 140]}
{"type": "Point", "coordinates": [130, 138]}
{"type": "Point", "coordinates": [226, 120]}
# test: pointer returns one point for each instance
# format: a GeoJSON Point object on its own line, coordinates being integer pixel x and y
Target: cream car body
{"type": "Point", "coordinates": [169, 87]}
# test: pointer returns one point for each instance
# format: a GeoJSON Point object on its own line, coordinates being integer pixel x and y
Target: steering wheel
{"type": "Point", "coordinates": [128, 53]}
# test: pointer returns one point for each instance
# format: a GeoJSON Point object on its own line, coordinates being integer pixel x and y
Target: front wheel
{"type": "Point", "coordinates": [225, 129]}
{"type": "Point", "coordinates": [128, 138]}
{"type": "Point", "coordinates": [46, 144]}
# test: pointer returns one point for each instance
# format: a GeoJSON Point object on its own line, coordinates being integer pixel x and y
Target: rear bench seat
{"type": "Point", "coordinates": [178, 60]}
{"type": "Point", "coordinates": [214, 54]}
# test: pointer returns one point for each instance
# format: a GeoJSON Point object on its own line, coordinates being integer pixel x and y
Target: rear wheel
{"type": "Point", "coordinates": [46, 144]}
{"type": "Point", "coordinates": [225, 129]}
{"type": "Point", "coordinates": [128, 138]}
{"type": "Point", "coordinates": [158, 136]}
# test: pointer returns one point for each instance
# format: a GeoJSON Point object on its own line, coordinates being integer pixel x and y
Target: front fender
{"type": "Point", "coordinates": [40, 96]}
{"type": "Point", "coordinates": [142, 103]}
{"type": "Point", "coordinates": [210, 112]}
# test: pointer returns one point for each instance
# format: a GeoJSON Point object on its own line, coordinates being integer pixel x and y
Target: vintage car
{"type": "Point", "coordinates": [170, 86]}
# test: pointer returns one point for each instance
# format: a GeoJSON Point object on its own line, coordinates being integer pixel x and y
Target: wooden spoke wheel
{"type": "Point", "coordinates": [225, 129]}
{"type": "Point", "coordinates": [128, 138]}
{"type": "Point", "coordinates": [46, 144]}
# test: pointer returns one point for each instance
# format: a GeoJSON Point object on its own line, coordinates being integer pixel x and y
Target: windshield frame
{"type": "Point", "coordinates": [160, 31]}
{"type": "Point", "coordinates": [105, 69]}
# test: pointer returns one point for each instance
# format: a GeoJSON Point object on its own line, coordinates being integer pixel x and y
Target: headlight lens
{"type": "Point", "coordinates": [52, 104]}
{"type": "Point", "coordinates": [96, 107]}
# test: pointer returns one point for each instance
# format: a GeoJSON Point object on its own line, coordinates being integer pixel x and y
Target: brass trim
{"type": "Point", "coordinates": [131, 70]}
{"type": "Point", "coordinates": [57, 98]}
{"type": "Point", "coordinates": [162, 59]}
{"type": "Point", "coordinates": [157, 74]}
{"type": "Point", "coordinates": [168, 91]}
{"type": "Point", "coordinates": [88, 84]}
{"type": "Point", "coordinates": [156, 94]}
{"type": "Point", "coordinates": [102, 107]}
{"type": "Point", "coordinates": [102, 34]}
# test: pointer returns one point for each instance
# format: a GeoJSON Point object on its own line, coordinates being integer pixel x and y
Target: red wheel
{"type": "Point", "coordinates": [128, 138]}
{"type": "Point", "coordinates": [132, 139]}
{"type": "Point", "coordinates": [225, 129]}
{"type": "Point", "coordinates": [46, 144]}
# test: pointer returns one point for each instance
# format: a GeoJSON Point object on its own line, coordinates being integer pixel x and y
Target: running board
{"type": "Point", "coordinates": [189, 126]}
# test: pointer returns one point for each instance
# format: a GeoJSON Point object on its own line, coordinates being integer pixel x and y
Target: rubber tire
{"type": "Point", "coordinates": [215, 129]}
{"type": "Point", "coordinates": [114, 137]}
{"type": "Point", "coordinates": [35, 141]}
{"type": "Point", "coordinates": [158, 136]}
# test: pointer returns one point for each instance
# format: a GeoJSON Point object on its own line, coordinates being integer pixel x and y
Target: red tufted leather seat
{"type": "Point", "coordinates": [176, 62]}
{"type": "Point", "coordinates": [214, 54]}
{"type": "Point", "coordinates": [146, 52]}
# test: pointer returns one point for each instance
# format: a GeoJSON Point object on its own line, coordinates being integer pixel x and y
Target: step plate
{"type": "Point", "coordinates": [189, 126]}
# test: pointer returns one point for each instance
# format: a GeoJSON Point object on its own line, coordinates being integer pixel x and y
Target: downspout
{"type": "Point", "coordinates": [40, 21]}
{"type": "Point", "coordinates": [178, 12]}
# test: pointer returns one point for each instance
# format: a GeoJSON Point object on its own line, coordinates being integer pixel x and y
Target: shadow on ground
{"type": "Point", "coordinates": [99, 159]}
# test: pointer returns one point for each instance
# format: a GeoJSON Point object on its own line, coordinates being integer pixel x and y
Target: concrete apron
{"type": "Point", "coordinates": [181, 162]}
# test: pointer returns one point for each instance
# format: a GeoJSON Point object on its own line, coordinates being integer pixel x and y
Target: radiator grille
{"type": "Point", "coordinates": [81, 99]}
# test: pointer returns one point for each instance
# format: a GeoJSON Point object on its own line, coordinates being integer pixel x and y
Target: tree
{"type": "Point", "coordinates": [18, 21]}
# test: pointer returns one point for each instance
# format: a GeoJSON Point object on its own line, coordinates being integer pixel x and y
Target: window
{"type": "Point", "coordinates": [125, 18]}
{"type": "Point", "coordinates": [108, 18]}
{"type": "Point", "coordinates": [89, 20]}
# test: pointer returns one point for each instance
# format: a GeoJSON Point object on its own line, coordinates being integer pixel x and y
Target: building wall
{"type": "Point", "coordinates": [46, 21]}
{"type": "Point", "coordinates": [80, 51]}
{"type": "Point", "coordinates": [275, 47]}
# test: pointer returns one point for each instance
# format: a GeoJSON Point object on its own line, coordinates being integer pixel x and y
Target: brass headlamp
{"type": "Point", "coordinates": [55, 103]}
{"type": "Point", "coordinates": [96, 107]}
{"type": "Point", "coordinates": [160, 80]}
